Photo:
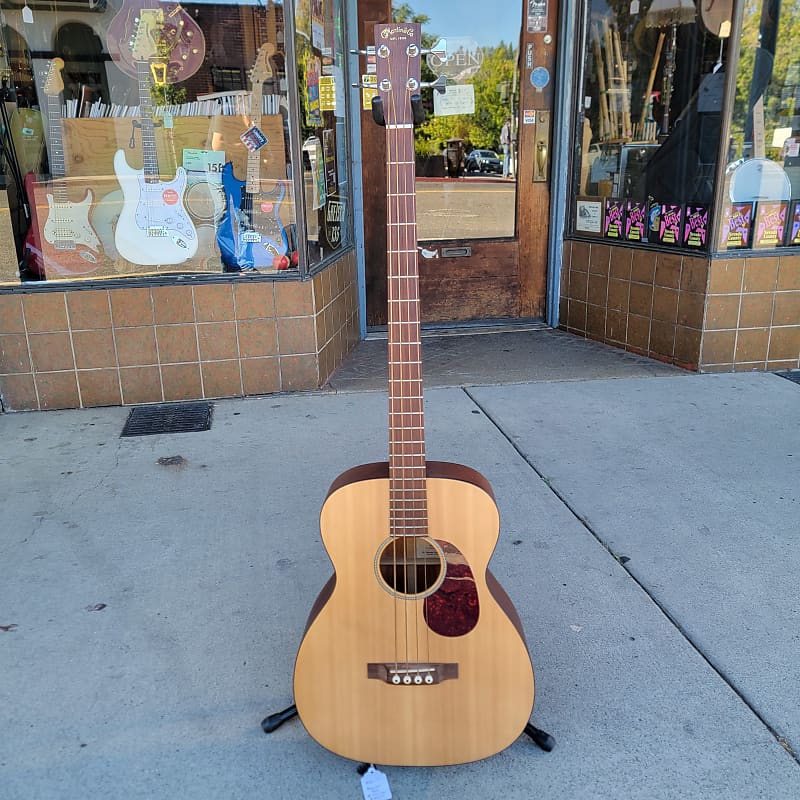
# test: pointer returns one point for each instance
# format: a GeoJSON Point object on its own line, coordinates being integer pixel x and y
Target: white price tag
{"type": "Point", "coordinates": [375, 785]}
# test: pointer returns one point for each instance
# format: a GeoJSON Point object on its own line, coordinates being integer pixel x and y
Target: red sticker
{"type": "Point", "coordinates": [267, 207]}
{"type": "Point", "coordinates": [170, 197]}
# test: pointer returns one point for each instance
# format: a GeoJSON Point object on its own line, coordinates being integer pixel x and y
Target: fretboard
{"type": "Point", "coordinates": [253, 185]}
{"type": "Point", "coordinates": [408, 499]}
{"type": "Point", "coordinates": [55, 152]}
{"type": "Point", "coordinates": [149, 154]}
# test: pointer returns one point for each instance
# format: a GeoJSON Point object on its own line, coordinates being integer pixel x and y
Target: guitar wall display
{"type": "Point", "coordinates": [413, 654]}
{"type": "Point", "coordinates": [250, 234]}
{"type": "Point", "coordinates": [66, 245]}
{"type": "Point", "coordinates": [182, 43]}
{"type": "Point", "coordinates": [153, 227]}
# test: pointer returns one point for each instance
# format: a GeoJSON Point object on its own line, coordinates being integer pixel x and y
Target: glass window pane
{"type": "Point", "coordinates": [153, 138]}
{"type": "Point", "coordinates": [762, 179]}
{"type": "Point", "coordinates": [321, 85]}
{"type": "Point", "coordinates": [648, 131]}
{"type": "Point", "coordinates": [466, 147]}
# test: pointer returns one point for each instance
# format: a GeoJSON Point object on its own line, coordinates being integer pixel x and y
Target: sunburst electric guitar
{"type": "Point", "coordinates": [413, 654]}
{"type": "Point", "coordinates": [153, 226]}
{"type": "Point", "coordinates": [66, 245]}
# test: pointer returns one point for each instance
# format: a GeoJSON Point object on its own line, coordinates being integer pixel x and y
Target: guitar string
{"type": "Point", "coordinates": [392, 453]}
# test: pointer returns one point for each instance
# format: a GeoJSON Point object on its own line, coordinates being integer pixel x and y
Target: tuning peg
{"type": "Point", "coordinates": [439, 49]}
{"type": "Point", "coordinates": [440, 85]}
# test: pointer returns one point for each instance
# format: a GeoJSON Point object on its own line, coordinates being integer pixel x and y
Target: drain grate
{"type": "Point", "coordinates": [792, 375]}
{"type": "Point", "coordinates": [168, 418]}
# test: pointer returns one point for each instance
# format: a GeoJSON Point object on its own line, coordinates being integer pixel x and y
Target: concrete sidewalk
{"type": "Point", "coordinates": [150, 614]}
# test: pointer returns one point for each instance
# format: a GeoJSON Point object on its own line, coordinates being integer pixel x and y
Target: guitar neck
{"type": "Point", "coordinates": [149, 154]}
{"type": "Point", "coordinates": [408, 512]}
{"type": "Point", "coordinates": [253, 185]}
{"type": "Point", "coordinates": [55, 153]}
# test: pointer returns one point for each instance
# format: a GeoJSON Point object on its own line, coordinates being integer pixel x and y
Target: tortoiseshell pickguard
{"type": "Point", "coordinates": [453, 609]}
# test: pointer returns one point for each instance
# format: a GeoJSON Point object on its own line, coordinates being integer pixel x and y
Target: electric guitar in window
{"type": "Point", "coordinates": [64, 243]}
{"type": "Point", "coordinates": [153, 227]}
{"type": "Point", "coordinates": [250, 234]}
{"type": "Point", "coordinates": [413, 654]}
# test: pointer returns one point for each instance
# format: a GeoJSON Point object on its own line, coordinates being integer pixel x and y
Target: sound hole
{"type": "Point", "coordinates": [410, 566]}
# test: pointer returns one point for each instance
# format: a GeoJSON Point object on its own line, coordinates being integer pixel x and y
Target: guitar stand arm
{"type": "Point", "coordinates": [274, 721]}
{"type": "Point", "coordinates": [540, 737]}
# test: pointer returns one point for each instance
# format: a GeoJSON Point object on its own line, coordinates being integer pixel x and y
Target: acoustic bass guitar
{"type": "Point", "coordinates": [61, 242]}
{"type": "Point", "coordinates": [413, 654]}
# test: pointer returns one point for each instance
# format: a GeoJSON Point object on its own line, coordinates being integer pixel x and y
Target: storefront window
{"type": "Point", "coordinates": [150, 137]}
{"type": "Point", "coordinates": [321, 54]}
{"type": "Point", "coordinates": [761, 199]}
{"type": "Point", "coordinates": [648, 128]}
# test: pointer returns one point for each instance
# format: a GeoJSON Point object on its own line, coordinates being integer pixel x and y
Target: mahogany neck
{"type": "Point", "coordinates": [408, 505]}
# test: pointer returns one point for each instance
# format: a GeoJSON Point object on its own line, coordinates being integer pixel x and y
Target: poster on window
{"type": "Point", "coordinates": [614, 220]}
{"type": "Point", "coordinates": [737, 219]}
{"type": "Point", "coordinates": [695, 226]}
{"type": "Point", "coordinates": [770, 225]}
{"type": "Point", "coordinates": [313, 107]}
{"type": "Point", "coordinates": [635, 221]}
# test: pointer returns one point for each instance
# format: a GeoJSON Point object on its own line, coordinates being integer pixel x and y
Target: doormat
{"type": "Point", "coordinates": [792, 375]}
{"type": "Point", "coordinates": [168, 418]}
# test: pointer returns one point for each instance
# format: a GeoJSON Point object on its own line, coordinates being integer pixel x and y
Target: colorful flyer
{"type": "Point", "coordinates": [327, 92]}
{"type": "Point", "coordinates": [737, 219]}
{"type": "Point", "coordinates": [669, 226]}
{"type": "Point", "coordinates": [653, 221]}
{"type": "Point", "coordinates": [695, 226]}
{"type": "Point", "coordinates": [313, 109]}
{"type": "Point", "coordinates": [770, 224]}
{"type": "Point", "coordinates": [253, 139]}
{"type": "Point", "coordinates": [794, 230]}
{"type": "Point", "coordinates": [614, 219]}
{"type": "Point", "coordinates": [635, 221]}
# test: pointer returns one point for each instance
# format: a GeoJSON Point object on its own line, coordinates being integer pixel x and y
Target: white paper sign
{"type": "Point", "coordinates": [456, 100]}
{"type": "Point", "coordinates": [375, 785]}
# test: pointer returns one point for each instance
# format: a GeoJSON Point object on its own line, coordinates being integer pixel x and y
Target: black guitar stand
{"type": "Point", "coordinates": [541, 738]}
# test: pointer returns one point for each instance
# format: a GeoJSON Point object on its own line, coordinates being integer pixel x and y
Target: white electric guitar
{"type": "Point", "coordinates": [153, 226]}
{"type": "Point", "coordinates": [66, 245]}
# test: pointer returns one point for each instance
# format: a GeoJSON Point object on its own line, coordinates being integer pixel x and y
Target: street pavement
{"type": "Point", "coordinates": [151, 606]}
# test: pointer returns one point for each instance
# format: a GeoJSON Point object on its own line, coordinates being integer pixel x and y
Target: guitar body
{"type": "Point", "coordinates": [465, 633]}
{"type": "Point", "coordinates": [66, 245]}
{"type": "Point", "coordinates": [250, 233]}
{"type": "Point", "coordinates": [153, 227]}
{"type": "Point", "coordinates": [181, 38]}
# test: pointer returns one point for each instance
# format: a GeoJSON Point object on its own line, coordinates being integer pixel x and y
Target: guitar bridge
{"type": "Point", "coordinates": [406, 674]}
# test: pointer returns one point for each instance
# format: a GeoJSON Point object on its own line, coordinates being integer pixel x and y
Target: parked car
{"type": "Point", "coordinates": [483, 161]}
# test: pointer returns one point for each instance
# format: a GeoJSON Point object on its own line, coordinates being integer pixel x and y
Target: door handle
{"type": "Point", "coordinates": [541, 157]}
{"type": "Point", "coordinates": [541, 154]}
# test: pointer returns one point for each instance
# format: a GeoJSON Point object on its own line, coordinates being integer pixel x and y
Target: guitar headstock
{"type": "Point", "coordinates": [262, 69]}
{"type": "Point", "coordinates": [399, 55]}
{"type": "Point", "coordinates": [148, 37]}
{"type": "Point", "coordinates": [53, 82]}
